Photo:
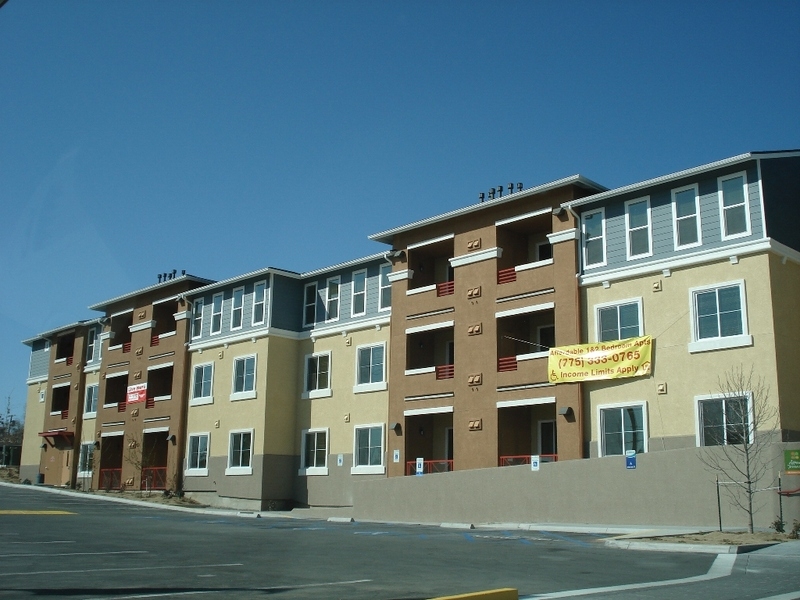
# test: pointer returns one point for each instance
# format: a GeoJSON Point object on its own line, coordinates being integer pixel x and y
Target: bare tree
{"type": "Point", "coordinates": [740, 422]}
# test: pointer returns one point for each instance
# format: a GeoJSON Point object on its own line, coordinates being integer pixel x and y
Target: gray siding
{"type": "Point", "coordinates": [287, 304]}
{"type": "Point", "coordinates": [227, 304]}
{"type": "Point", "coordinates": [781, 185]}
{"type": "Point", "coordinates": [40, 360]}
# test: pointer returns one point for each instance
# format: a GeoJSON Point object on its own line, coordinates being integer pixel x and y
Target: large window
{"type": "Point", "coordinates": [733, 206]}
{"type": "Point", "coordinates": [637, 224]}
{"type": "Point", "coordinates": [686, 217]}
{"type": "Point", "coordinates": [86, 460]}
{"type": "Point", "coordinates": [237, 308]}
{"type": "Point", "coordinates": [197, 455]}
{"type": "Point", "coordinates": [368, 450]}
{"type": "Point", "coordinates": [90, 402]}
{"type": "Point", "coordinates": [315, 452]}
{"type": "Point", "coordinates": [91, 340]}
{"type": "Point", "coordinates": [216, 313]}
{"type": "Point", "coordinates": [244, 378]}
{"type": "Point", "coordinates": [310, 305]}
{"type": "Point", "coordinates": [197, 318]}
{"type": "Point", "coordinates": [202, 384]}
{"type": "Point", "coordinates": [318, 372]}
{"type": "Point", "coordinates": [385, 300]}
{"type": "Point", "coordinates": [332, 300]}
{"type": "Point", "coordinates": [723, 420]}
{"type": "Point", "coordinates": [371, 372]}
{"type": "Point", "coordinates": [619, 321]}
{"type": "Point", "coordinates": [359, 303]}
{"type": "Point", "coordinates": [259, 302]}
{"type": "Point", "coordinates": [240, 453]}
{"type": "Point", "coordinates": [622, 428]}
{"type": "Point", "coordinates": [719, 317]}
{"type": "Point", "coordinates": [594, 246]}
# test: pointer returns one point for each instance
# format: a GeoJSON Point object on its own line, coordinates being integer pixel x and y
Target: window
{"type": "Point", "coordinates": [237, 308]}
{"type": "Point", "coordinates": [594, 246]}
{"type": "Point", "coordinates": [318, 369]}
{"type": "Point", "coordinates": [637, 223]}
{"type": "Point", "coordinates": [359, 304]}
{"type": "Point", "coordinates": [368, 451]}
{"type": "Point", "coordinates": [315, 452]}
{"type": "Point", "coordinates": [733, 206]}
{"type": "Point", "coordinates": [86, 460]}
{"type": "Point", "coordinates": [259, 302]}
{"type": "Point", "coordinates": [723, 420]}
{"type": "Point", "coordinates": [90, 402]}
{"type": "Point", "coordinates": [216, 313]}
{"type": "Point", "coordinates": [622, 428]}
{"type": "Point", "coordinates": [244, 378]}
{"type": "Point", "coordinates": [91, 339]}
{"type": "Point", "coordinates": [371, 374]}
{"type": "Point", "coordinates": [203, 384]}
{"type": "Point", "coordinates": [385, 301]}
{"type": "Point", "coordinates": [197, 455]}
{"type": "Point", "coordinates": [686, 216]}
{"type": "Point", "coordinates": [197, 318]}
{"type": "Point", "coordinates": [240, 453]}
{"type": "Point", "coordinates": [332, 300]}
{"type": "Point", "coordinates": [619, 321]}
{"type": "Point", "coordinates": [310, 305]}
{"type": "Point", "coordinates": [719, 318]}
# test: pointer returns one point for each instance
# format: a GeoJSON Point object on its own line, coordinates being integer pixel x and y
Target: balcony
{"type": "Point", "coordinates": [429, 466]}
{"type": "Point", "coordinates": [524, 459]}
{"type": "Point", "coordinates": [529, 277]}
{"type": "Point", "coordinates": [110, 479]}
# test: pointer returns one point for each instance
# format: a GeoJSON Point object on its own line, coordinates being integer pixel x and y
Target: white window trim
{"type": "Point", "coordinates": [353, 293]}
{"type": "Point", "coordinates": [698, 426]}
{"type": "Point", "coordinates": [84, 474]}
{"type": "Point", "coordinates": [256, 302]}
{"type": "Point", "coordinates": [628, 254]}
{"type": "Point", "coordinates": [320, 392]}
{"type": "Point", "coordinates": [619, 405]}
{"type": "Point", "coordinates": [382, 287]}
{"type": "Point", "coordinates": [376, 386]}
{"type": "Point", "coordinates": [369, 469]}
{"type": "Point", "coordinates": [221, 296]}
{"type": "Point", "coordinates": [718, 343]}
{"type": "Point", "coordinates": [229, 470]}
{"type": "Point", "coordinates": [698, 224]}
{"type": "Point", "coordinates": [91, 344]}
{"type": "Point", "coordinates": [306, 305]}
{"type": "Point", "coordinates": [201, 400]}
{"type": "Point", "coordinates": [314, 471]}
{"type": "Point", "coordinates": [601, 305]}
{"type": "Point", "coordinates": [91, 414]}
{"type": "Point", "coordinates": [198, 472]}
{"type": "Point", "coordinates": [246, 394]}
{"type": "Point", "coordinates": [748, 230]}
{"type": "Point", "coordinates": [338, 281]}
{"type": "Point", "coordinates": [201, 302]}
{"type": "Point", "coordinates": [234, 309]}
{"type": "Point", "coordinates": [584, 254]}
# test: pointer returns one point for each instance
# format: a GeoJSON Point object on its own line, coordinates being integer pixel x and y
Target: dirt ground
{"type": "Point", "coordinates": [9, 474]}
{"type": "Point", "coordinates": [730, 538]}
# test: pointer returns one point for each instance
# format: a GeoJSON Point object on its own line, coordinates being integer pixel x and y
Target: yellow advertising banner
{"type": "Point", "coordinates": [603, 360]}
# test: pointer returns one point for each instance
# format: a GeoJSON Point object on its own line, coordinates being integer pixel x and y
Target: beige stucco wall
{"type": "Point", "coordinates": [31, 442]}
{"type": "Point", "coordinates": [671, 418]}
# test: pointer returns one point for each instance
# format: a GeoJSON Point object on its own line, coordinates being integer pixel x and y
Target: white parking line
{"type": "Point", "coordinates": [121, 569]}
{"type": "Point", "coordinates": [722, 567]}
{"type": "Point", "coordinates": [76, 553]}
{"type": "Point", "coordinates": [51, 542]}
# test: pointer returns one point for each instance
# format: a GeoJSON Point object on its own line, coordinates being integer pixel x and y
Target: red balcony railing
{"type": "Point", "coordinates": [154, 340]}
{"type": "Point", "coordinates": [524, 459]}
{"type": "Point", "coordinates": [65, 413]}
{"type": "Point", "coordinates": [69, 360]}
{"type": "Point", "coordinates": [429, 466]}
{"type": "Point", "coordinates": [507, 363]}
{"type": "Point", "coordinates": [445, 371]}
{"type": "Point", "coordinates": [121, 406]}
{"type": "Point", "coordinates": [110, 479]}
{"type": "Point", "coordinates": [154, 478]}
{"type": "Point", "coordinates": [150, 403]}
{"type": "Point", "coordinates": [507, 275]}
{"type": "Point", "coordinates": [126, 347]}
{"type": "Point", "coordinates": [445, 289]}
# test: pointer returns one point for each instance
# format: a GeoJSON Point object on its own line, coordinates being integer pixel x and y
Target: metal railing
{"type": "Point", "coordinates": [429, 466]}
{"type": "Point", "coordinates": [507, 363]}
{"type": "Point", "coordinates": [445, 371]}
{"type": "Point", "coordinates": [446, 288]}
{"type": "Point", "coordinates": [524, 459]}
{"type": "Point", "coordinates": [507, 275]}
{"type": "Point", "coordinates": [154, 478]}
{"type": "Point", "coordinates": [110, 479]}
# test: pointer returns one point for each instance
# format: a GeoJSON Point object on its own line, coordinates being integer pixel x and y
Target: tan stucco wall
{"type": "Point", "coordinates": [667, 318]}
{"type": "Point", "coordinates": [31, 442]}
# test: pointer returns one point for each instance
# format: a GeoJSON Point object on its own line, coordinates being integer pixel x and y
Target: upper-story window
{"type": "Point", "coordinates": [371, 368]}
{"type": "Point", "coordinates": [686, 217]}
{"type": "Point", "coordinates": [359, 303]}
{"type": "Point", "coordinates": [318, 375]}
{"type": "Point", "coordinates": [203, 384]}
{"type": "Point", "coordinates": [619, 321]}
{"type": "Point", "coordinates": [197, 318]}
{"type": "Point", "coordinates": [259, 302]}
{"type": "Point", "coordinates": [216, 313]}
{"type": "Point", "coordinates": [733, 206]}
{"type": "Point", "coordinates": [310, 304]}
{"type": "Point", "coordinates": [244, 378]}
{"type": "Point", "coordinates": [385, 300]}
{"type": "Point", "coordinates": [91, 342]}
{"type": "Point", "coordinates": [90, 401]}
{"type": "Point", "coordinates": [332, 300]}
{"type": "Point", "coordinates": [719, 317]}
{"type": "Point", "coordinates": [637, 225]}
{"type": "Point", "coordinates": [594, 234]}
{"type": "Point", "coordinates": [237, 308]}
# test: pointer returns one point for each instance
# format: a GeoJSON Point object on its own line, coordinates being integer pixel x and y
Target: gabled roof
{"type": "Point", "coordinates": [725, 162]}
{"type": "Point", "coordinates": [151, 288]}
{"type": "Point", "coordinates": [63, 329]}
{"type": "Point", "coordinates": [577, 180]}
{"type": "Point", "coordinates": [237, 278]}
{"type": "Point", "coordinates": [344, 265]}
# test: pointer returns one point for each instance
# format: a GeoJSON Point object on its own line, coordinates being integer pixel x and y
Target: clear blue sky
{"type": "Point", "coordinates": [223, 137]}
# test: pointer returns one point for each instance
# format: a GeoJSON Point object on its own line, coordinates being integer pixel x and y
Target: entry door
{"type": "Point", "coordinates": [547, 437]}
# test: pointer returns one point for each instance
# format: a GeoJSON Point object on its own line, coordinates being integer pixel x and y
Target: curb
{"type": "Point", "coordinates": [679, 547]}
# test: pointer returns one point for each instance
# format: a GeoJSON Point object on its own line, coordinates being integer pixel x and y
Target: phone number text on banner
{"type": "Point", "coordinates": [603, 360]}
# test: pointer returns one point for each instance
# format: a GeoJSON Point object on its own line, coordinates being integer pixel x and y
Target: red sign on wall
{"type": "Point", "coordinates": [137, 393]}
